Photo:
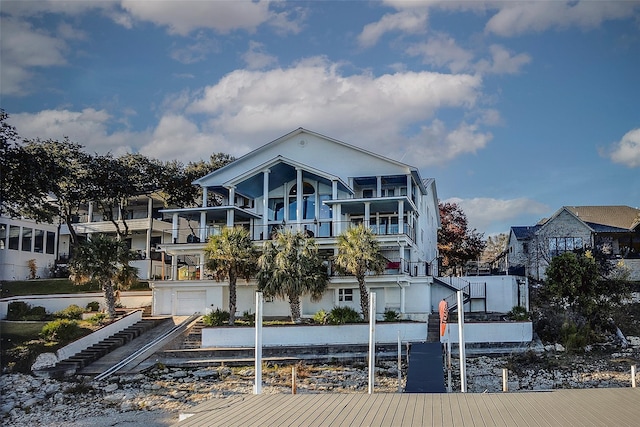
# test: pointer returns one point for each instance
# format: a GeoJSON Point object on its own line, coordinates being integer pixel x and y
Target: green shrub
{"type": "Point", "coordinates": [73, 312]}
{"type": "Point", "coordinates": [321, 317]}
{"type": "Point", "coordinates": [17, 310]}
{"type": "Point", "coordinates": [342, 315]}
{"type": "Point", "coordinates": [61, 330]}
{"type": "Point", "coordinates": [574, 338]}
{"type": "Point", "coordinates": [216, 318]}
{"type": "Point", "coordinates": [249, 317]}
{"type": "Point", "coordinates": [93, 306]}
{"type": "Point", "coordinates": [36, 313]}
{"type": "Point", "coordinates": [97, 319]}
{"type": "Point", "coordinates": [391, 315]}
{"type": "Point", "coordinates": [518, 313]}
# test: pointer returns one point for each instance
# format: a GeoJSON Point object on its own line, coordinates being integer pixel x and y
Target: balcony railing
{"type": "Point", "coordinates": [317, 229]}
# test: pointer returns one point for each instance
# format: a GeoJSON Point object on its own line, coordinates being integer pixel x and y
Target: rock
{"type": "Point", "coordinates": [559, 348]}
{"type": "Point", "coordinates": [30, 402]}
{"type": "Point", "coordinates": [205, 373]}
{"type": "Point", "coordinates": [44, 360]}
{"type": "Point", "coordinates": [7, 406]}
{"type": "Point", "coordinates": [110, 388]}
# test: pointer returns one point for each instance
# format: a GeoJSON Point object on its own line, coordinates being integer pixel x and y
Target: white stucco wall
{"type": "Point", "coordinates": [313, 335]}
{"type": "Point", "coordinates": [501, 291]}
{"type": "Point", "coordinates": [490, 332]}
{"type": "Point", "coordinates": [53, 303]}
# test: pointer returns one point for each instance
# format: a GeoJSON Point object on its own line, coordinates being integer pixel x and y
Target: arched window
{"type": "Point", "coordinates": [308, 201]}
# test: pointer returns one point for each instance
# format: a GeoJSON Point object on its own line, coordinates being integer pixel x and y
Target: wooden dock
{"type": "Point", "coordinates": [588, 407]}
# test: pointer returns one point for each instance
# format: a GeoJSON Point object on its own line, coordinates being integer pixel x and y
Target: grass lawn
{"type": "Point", "coordinates": [51, 286]}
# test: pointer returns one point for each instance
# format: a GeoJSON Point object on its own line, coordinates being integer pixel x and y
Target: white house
{"type": "Point", "coordinates": [146, 229]}
{"type": "Point", "coordinates": [308, 182]}
{"type": "Point", "coordinates": [26, 245]}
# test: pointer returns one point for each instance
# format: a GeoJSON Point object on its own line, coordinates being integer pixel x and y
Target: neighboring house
{"type": "Point", "coordinates": [615, 230]}
{"type": "Point", "coordinates": [22, 242]}
{"type": "Point", "coordinates": [146, 230]}
{"type": "Point", "coordinates": [312, 183]}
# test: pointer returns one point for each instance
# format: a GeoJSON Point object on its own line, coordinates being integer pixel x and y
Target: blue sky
{"type": "Point", "coordinates": [516, 108]}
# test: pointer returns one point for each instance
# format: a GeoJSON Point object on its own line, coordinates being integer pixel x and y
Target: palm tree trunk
{"type": "Point", "coordinates": [110, 297]}
{"type": "Point", "coordinates": [232, 297]}
{"type": "Point", "coordinates": [364, 298]}
{"type": "Point", "coordinates": [294, 305]}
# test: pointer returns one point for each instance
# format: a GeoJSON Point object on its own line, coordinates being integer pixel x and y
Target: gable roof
{"type": "Point", "coordinates": [526, 232]}
{"type": "Point", "coordinates": [270, 146]}
{"type": "Point", "coordinates": [623, 218]}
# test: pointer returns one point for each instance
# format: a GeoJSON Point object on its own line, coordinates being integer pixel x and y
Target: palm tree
{"type": "Point", "coordinates": [105, 261]}
{"type": "Point", "coordinates": [358, 253]}
{"type": "Point", "coordinates": [231, 254]}
{"type": "Point", "coordinates": [291, 267]}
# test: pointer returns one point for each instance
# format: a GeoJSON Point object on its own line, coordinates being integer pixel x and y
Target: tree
{"type": "Point", "coordinates": [457, 244]}
{"type": "Point", "coordinates": [578, 281]}
{"type": "Point", "coordinates": [359, 253]}
{"type": "Point", "coordinates": [230, 255]}
{"type": "Point", "coordinates": [50, 179]}
{"type": "Point", "coordinates": [291, 267]}
{"type": "Point", "coordinates": [495, 246]}
{"type": "Point", "coordinates": [106, 261]}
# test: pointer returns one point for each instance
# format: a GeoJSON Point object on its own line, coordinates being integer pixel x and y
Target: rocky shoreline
{"type": "Point", "coordinates": [156, 397]}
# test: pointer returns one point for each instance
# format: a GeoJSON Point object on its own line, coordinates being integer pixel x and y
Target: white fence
{"type": "Point", "coordinates": [313, 335]}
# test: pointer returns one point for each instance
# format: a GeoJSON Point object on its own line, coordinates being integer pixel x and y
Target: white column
{"type": "Point", "coordinates": [230, 211]}
{"type": "Point", "coordinates": [401, 217]}
{"type": "Point", "coordinates": [205, 197]}
{"type": "Point", "coordinates": [299, 210]}
{"type": "Point", "coordinates": [90, 218]}
{"type": "Point", "coordinates": [174, 228]}
{"type": "Point", "coordinates": [367, 214]}
{"type": "Point", "coordinates": [265, 204]}
{"type": "Point", "coordinates": [174, 269]}
{"type": "Point", "coordinates": [337, 211]}
{"type": "Point", "coordinates": [334, 189]}
{"type": "Point", "coordinates": [409, 185]}
{"type": "Point", "coordinates": [203, 226]}
{"type": "Point", "coordinates": [461, 345]}
{"type": "Point", "coordinates": [202, 262]}
{"type": "Point", "coordinates": [379, 186]}
{"type": "Point", "coordinates": [402, 299]}
{"type": "Point", "coordinates": [148, 245]}
{"type": "Point", "coordinates": [257, 387]}
{"type": "Point", "coordinates": [372, 340]}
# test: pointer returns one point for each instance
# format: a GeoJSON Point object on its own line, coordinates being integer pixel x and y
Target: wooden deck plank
{"type": "Point", "coordinates": [598, 407]}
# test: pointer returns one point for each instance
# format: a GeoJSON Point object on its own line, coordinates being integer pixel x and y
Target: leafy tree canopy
{"type": "Point", "coordinates": [457, 244]}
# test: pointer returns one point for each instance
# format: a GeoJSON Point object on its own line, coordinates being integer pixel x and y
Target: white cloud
{"type": "Point", "coordinates": [488, 213]}
{"type": "Point", "coordinates": [23, 49]}
{"type": "Point", "coordinates": [515, 18]}
{"type": "Point", "coordinates": [376, 112]}
{"type": "Point", "coordinates": [442, 50]}
{"type": "Point", "coordinates": [221, 16]}
{"type": "Point", "coordinates": [627, 150]}
{"type": "Point", "coordinates": [197, 51]}
{"type": "Point", "coordinates": [256, 58]}
{"type": "Point", "coordinates": [88, 127]}
{"type": "Point", "coordinates": [502, 62]}
{"type": "Point", "coordinates": [407, 21]}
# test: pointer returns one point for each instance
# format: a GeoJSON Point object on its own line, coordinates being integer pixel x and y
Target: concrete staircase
{"type": "Point", "coordinates": [433, 328]}
{"type": "Point", "coordinates": [193, 339]}
{"type": "Point", "coordinates": [89, 355]}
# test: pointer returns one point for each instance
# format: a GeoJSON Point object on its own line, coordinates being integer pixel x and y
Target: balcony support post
{"type": "Point", "coordinates": [203, 226]}
{"type": "Point", "coordinates": [401, 217]}
{"type": "Point", "coordinates": [265, 204]}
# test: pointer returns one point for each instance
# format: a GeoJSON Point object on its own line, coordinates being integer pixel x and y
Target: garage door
{"type": "Point", "coordinates": [189, 302]}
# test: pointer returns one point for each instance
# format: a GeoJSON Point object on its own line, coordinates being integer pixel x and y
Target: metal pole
{"type": "Point", "coordinates": [372, 339]}
{"type": "Point", "coordinates": [633, 376]}
{"type": "Point", "coordinates": [461, 347]}
{"type": "Point", "coordinates": [257, 387]}
{"type": "Point", "coordinates": [399, 363]}
{"type": "Point", "coordinates": [505, 383]}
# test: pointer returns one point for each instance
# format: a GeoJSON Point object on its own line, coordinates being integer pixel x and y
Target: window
{"type": "Point", "coordinates": [38, 241]}
{"type": "Point", "coordinates": [367, 194]}
{"type": "Point", "coordinates": [3, 235]}
{"type": "Point", "coordinates": [51, 242]}
{"type": "Point", "coordinates": [308, 202]}
{"type": "Point", "coordinates": [26, 239]}
{"type": "Point", "coordinates": [560, 245]}
{"type": "Point", "coordinates": [525, 248]}
{"type": "Point", "coordinates": [345, 295]}
{"type": "Point", "coordinates": [276, 209]}
{"type": "Point", "coordinates": [14, 237]}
